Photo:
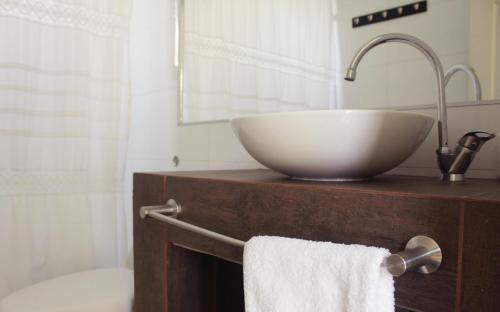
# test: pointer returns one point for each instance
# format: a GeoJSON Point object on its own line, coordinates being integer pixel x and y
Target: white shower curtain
{"type": "Point", "coordinates": [64, 94]}
{"type": "Point", "coordinates": [254, 56]}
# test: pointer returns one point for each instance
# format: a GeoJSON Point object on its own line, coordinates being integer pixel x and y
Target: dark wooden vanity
{"type": "Point", "coordinates": [175, 270]}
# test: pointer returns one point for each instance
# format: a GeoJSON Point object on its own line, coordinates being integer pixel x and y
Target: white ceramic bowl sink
{"type": "Point", "coordinates": [334, 145]}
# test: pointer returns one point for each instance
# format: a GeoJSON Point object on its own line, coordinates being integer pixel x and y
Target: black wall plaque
{"type": "Point", "coordinates": [386, 15]}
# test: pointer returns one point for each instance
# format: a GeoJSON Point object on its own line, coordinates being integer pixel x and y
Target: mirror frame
{"type": "Point", "coordinates": [179, 60]}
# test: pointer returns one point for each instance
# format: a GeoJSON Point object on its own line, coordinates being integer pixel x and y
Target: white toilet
{"type": "Point", "coordinates": [104, 290]}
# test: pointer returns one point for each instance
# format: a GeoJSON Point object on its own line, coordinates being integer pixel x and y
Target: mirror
{"type": "Point", "coordinates": [240, 57]}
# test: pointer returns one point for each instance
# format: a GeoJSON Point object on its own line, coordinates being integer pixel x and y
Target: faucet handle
{"type": "Point", "coordinates": [475, 139]}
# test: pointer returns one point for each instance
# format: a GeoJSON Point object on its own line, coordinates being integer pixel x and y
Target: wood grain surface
{"type": "Point", "coordinates": [464, 219]}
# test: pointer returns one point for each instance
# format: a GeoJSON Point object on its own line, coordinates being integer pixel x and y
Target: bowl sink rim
{"type": "Point", "coordinates": [330, 111]}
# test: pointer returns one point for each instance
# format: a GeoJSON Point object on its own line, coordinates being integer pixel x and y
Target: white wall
{"type": "Point", "coordinates": [152, 126]}
{"type": "Point", "coordinates": [388, 77]}
{"type": "Point", "coordinates": [396, 74]}
{"type": "Point", "coordinates": [461, 119]}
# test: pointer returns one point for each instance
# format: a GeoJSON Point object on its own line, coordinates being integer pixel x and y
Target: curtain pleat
{"type": "Point", "coordinates": [64, 101]}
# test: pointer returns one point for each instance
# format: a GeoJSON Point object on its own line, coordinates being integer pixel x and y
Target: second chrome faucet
{"type": "Point", "coordinates": [470, 73]}
{"type": "Point", "coordinates": [452, 163]}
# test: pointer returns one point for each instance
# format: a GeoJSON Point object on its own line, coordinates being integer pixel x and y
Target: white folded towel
{"type": "Point", "coordinates": [288, 275]}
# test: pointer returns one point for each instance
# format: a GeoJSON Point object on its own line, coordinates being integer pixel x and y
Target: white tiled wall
{"type": "Point", "coordinates": [396, 74]}
{"type": "Point", "coordinates": [460, 120]}
{"type": "Point", "coordinates": [210, 146]}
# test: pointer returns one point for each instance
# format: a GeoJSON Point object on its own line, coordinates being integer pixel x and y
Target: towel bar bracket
{"type": "Point", "coordinates": [171, 208]}
{"type": "Point", "coordinates": [169, 213]}
{"type": "Point", "coordinates": [421, 254]}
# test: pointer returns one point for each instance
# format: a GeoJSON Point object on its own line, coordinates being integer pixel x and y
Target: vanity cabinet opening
{"type": "Point", "coordinates": [200, 282]}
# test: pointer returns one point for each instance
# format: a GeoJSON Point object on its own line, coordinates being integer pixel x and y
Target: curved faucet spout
{"type": "Point", "coordinates": [436, 64]}
{"type": "Point", "coordinates": [470, 72]}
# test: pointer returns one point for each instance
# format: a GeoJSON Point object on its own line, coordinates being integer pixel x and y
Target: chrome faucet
{"type": "Point", "coordinates": [436, 64]}
{"type": "Point", "coordinates": [472, 75]}
{"type": "Point", "coordinates": [453, 164]}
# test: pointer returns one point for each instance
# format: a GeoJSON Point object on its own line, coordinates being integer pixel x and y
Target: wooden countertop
{"type": "Point", "coordinates": [428, 187]}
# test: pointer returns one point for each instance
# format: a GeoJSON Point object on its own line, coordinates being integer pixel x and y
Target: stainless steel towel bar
{"type": "Point", "coordinates": [421, 254]}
